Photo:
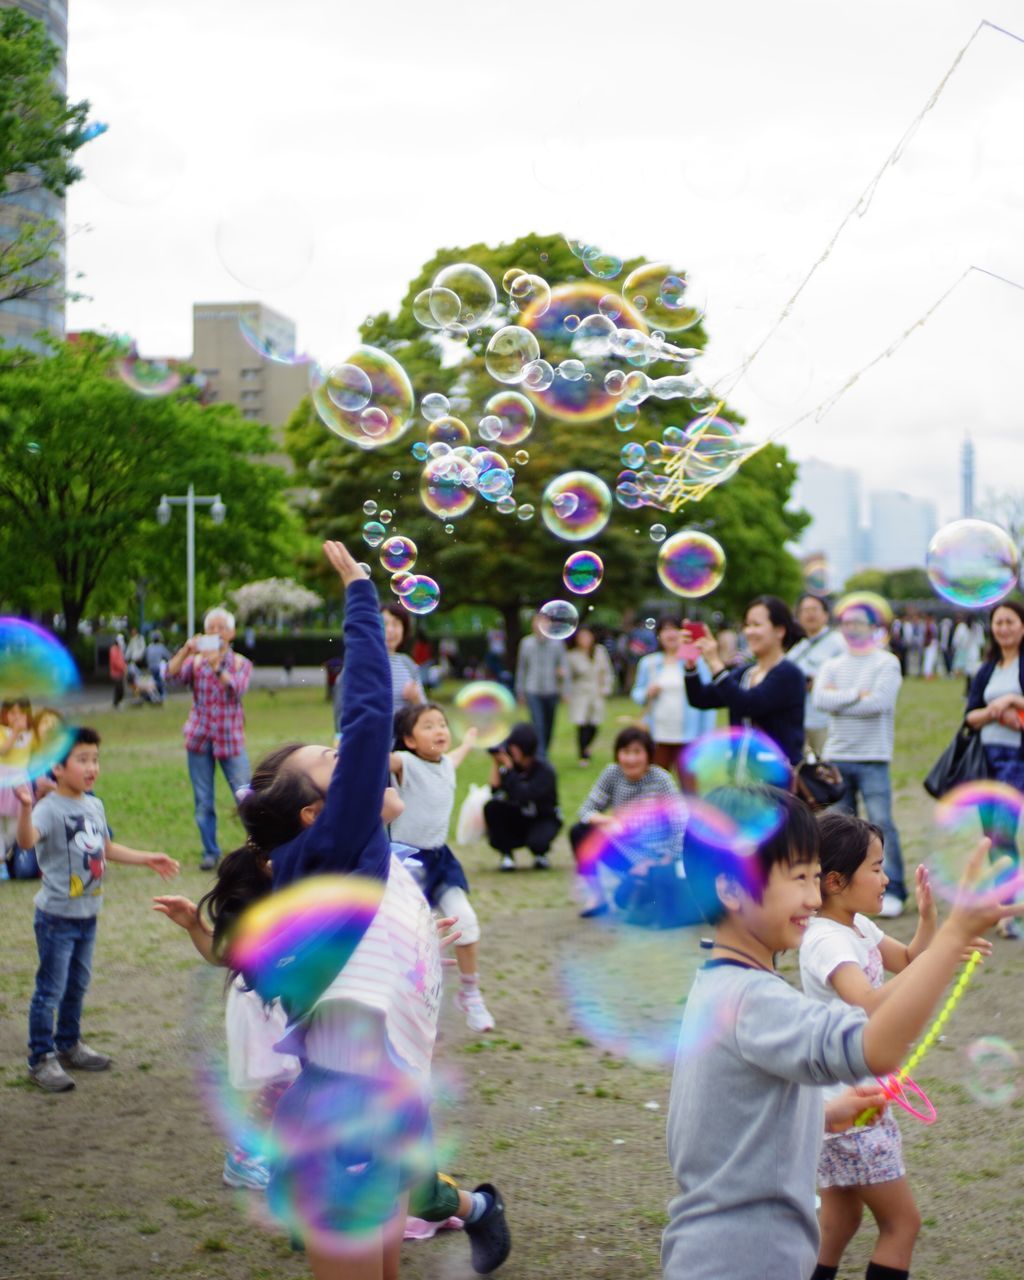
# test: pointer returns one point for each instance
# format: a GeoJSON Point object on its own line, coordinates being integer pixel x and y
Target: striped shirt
{"type": "Point", "coordinates": [859, 728]}
{"type": "Point", "coordinates": [660, 829]}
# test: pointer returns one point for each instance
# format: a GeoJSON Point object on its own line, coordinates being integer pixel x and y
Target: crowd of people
{"type": "Point", "coordinates": [378, 805]}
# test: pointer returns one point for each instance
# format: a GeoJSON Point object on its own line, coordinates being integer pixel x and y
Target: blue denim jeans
{"type": "Point", "coordinates": [1005, 765]}
{"type": "Point", "coordinates": [870, 780]}
{"type": "Point", "coordinates": [542, 712]}
{"type": "Point", "coordinates": [202, 770]}
{"type": "Point", "coordinates": [65, 967]}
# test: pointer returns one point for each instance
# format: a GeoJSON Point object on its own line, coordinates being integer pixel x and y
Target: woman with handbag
{"type": "Point", "coordinates": [995, 709]}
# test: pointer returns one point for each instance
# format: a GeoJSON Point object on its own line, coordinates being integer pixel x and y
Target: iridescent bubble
{"type": "Point", "coordinates": [665, 296]}
{"type": "Point", "coordinates": [593, 339]}
{"type": "Point", "coordinates": [516, 416]}
{"type": "Point", "coordinates": [673, 437]}
{"type": "Point", "coordinates": [444, 307]}
{"type": "Point", "coordinates": [506, 505]}
{"type": "Point", "coordinates": [150, 378]}
{"type": "Point", "coordinates": [369, 507]}
{"type": "Point", "coordinates": [400, 581]}
{"type": "Point", "coordinates": [713, 450]}
{"type": "Point", "coordinates": [349, 387]}
{"type": "Point", "coordinates": [610, 305]}
{"type": "Point", "coordinates": [37, 675]}
{"type": "Point", "coordinates": [391, 399]}
{"type": "Point", "coordinates": [367, 569]}
{"type": "Point", "coordinates": [270, 345]}
{"type": "Point", "coordinates": [423, 310]}
{"type": "Point", "coordinates": [628, 495]}
{"type": "Point", "coordinates": [421, 594]}
{"type": "Point", "coordinates": [864, 619]}
{"type": "Point", "coordinates": [635, 388]}
{"type": "Point", "coordinates": [614, 380]}
{"type": "Point", "coordinates": [538, 375]}
{"type": "Point", "coordinates": [525, 511]}
{"type": "Point", "coordinates": [489, 428]}
{"type": "Point", "coordinates": [603, 266]}
{"type": "Point", "coordinates": [373, 533]}
{"type": "Point", "coordinates": [521, 457]}
{"type": "Point", "coordinates": [495, 484]}
{"type": "Point", "coordinates": [571, 370]}
{"type": "Point", "coordinates": [398, 553]}
{"type": "Point", "coordinates": [571, 322]}
{"type": "Point", "coordinates": [658, 533]}
{"type": "Point", "coordinates": [474, 290]}
{"type": "Point", "coordinates": [558, 619]}
{"type": "Point", "coordinates": [442, 490]}
{"type": "Point", "coordinates": [457, 333]}
{"type": "Point", "coordinates": [993, 1076]}
{"type": "Point", "coordinates": [510, 277]}
{"type": "Point", "coordinates": [816, 574]}
{"type": "Point", "coordinates": [691, 564]}
{"type": "Point", "coordinates": [739, 756]}
{"type": "Point", "coordinates": [972, 563]}
{"type": "Point", "coordinates": [449, 529]}
{"type": "Point", "coordinates": [531, 291]}
{"type": "Point", "coordinates": [434, 405]}
{"type": "Point", "coordinates": [626, 417]}
{"type": "Point", "coordinates": [486, 706]}
{"type": "Point", "coordinates": [450, 431]}
{"type": "Point", "coordinates": [419, 451]}
{"type": "Point", "coordinates": [438, 449]}
{"type": "Point", "coordinates": [632, 454]}
{"type": "Point", "coordinates": [583, 572]}
{"type": "Point", "coordinates": [564, 504]}
{"type": "Point", "coordinates": [592, 510]}
{"type": "Point", "coordinates": [577, 247]}
{"type": "Point", "coordinates": [962, 816]}
{"type": "Point", "coordinates": [508, 353]}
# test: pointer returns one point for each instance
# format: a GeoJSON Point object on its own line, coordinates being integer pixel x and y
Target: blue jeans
{"type": "Point", "coordinates": [202, 769]}
{"type": "Point", "coordinates": [65, 967]}
{"type": "Point", "coordinates": [870, 780]}
{"type": "Point", "coordinates": [542, 712]}
{"type": "Point", "coordinates": [1005, 765]}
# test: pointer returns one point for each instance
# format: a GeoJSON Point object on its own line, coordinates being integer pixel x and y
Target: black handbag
{"type": "Point", "coordinates": [818, 783]}
{"type": "Point", "coordinates": [962, 761]}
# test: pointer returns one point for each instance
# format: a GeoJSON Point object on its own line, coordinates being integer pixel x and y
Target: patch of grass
{"type": "Point", "coordinates": [215, 1244]}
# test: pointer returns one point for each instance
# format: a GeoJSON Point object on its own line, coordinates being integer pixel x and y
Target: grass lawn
{"type": "Point", "coordinates": [122, 1176]}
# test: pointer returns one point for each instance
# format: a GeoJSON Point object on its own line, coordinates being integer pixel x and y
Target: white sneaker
{"type": "Point", "coordinates": [478, 1017]}
{"type": "Point", "coordinates": [508, 863]}
{"type": "Point", "coordinates": [891, 907]}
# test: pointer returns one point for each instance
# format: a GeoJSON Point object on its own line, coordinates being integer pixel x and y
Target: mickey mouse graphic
{"type": "Point", "coordinates": [86, 842]}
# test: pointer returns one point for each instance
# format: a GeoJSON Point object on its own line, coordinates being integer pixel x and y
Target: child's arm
{"type": "Point", "coordinates": [165, 867]}
{"type": "Point", "coordinates": [26, 834]}
{"type": "Point", "coordinates": [464, 748]}
{"type": "Point", "coordinates": [897, 955]}
{"type": "Point", "coordinates": [395, 765]}
{"type": "Point", "coordinates": [185, 914]}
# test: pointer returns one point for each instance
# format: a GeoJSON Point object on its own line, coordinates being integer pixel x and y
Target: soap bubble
{"type": "Point", "coordinates": [486, 706]}
{"type": "Point", "coordinates": [401, 580]}
{"type": "Point", "coordinates": [864, 619]}
{"type": "Point", "coordinates": [265, 243]}
{"type": "Point", "coordinates": [603, 266]}
{"type": "Point", "coordinates": [37, 675]}
{"type": "Point", "coordinates": [520, 457]}
{"type": "Point", "coordinates": [506, 506]}
{"type": "Point", "coordinates": [626, 417]}
{"type": "Point", "coordinates": [384, 517]}
{"type": "Point", "coordinates": [962, 816]}
{"type": "Point", "coordinates": [434, 405]}
{"type": "Point", "coordinates": [269, 345]}
{"type": "Point", "coordinates": [420, 451]}
{"type": "Point", "coordinates": [565, 504]}
{"type": "Point", "coordinates": [508, 353]}
{"type": "Point", "coordinates": [558, 619]}
{"type": "Point", "coordinates": [398, 553]}
{"type": "Point", "coordinates": [150, 378]}
{"type": "Point", "coordinates": [421, 594]}
{"type": "Point", "coordinates": [632, 454]}
{"type": "Point", "coordinates": [443, 491]}
{"type": "Point", "coordinates": [593, 340]}
{"type": "Point", "coordinates": [450, 431]}
{"type": "Point", "coordinates": [369, 507]}
{"type": "Point", "coordinates": [515, 414]}
{"type": "Point", "coordinates": [572, 370]}
{"type": "Point", "coordinates": [473, 289]}
{"type": "Point", "coordinates": [373, 533]}
{"type": "Point", "coordinates": [665, 297]}
{"type": "Point", "coordinates": [658, 532]}
{"type": "Point", "coordinates": [538, 375]}
{"type": "Point", "coordinates": [349, 387]}
{"type": "Point", "coordinates": [691, 564]}
{"type": "Point", "coordinates": [525, 511]}
{"type": "Point", "coordinates": [391, 400]}
{"type": "Point", "coordinates": [583, 572]}
{"type": "Point", "coordinates": [423, 308]}
{"type": "Point", "coordinates": [510, 276]}
{"type": "Point", "coordinates": [739, 756]}
{"type": "Point", "coordinates": [444, 307]}
{"type": "Point", "coordinates": [531, 291]}
{"type": "Point", "coordinates": [972, 563]}
{"type": "Point", "coordinates": [489, 428]}
{"type": "Point", "coordinates": [993, 1076]}
{"type": "Point", "coordinates": [714, 452]}
{"type": "Point", "coordinates": [495, 484]}
{"type": "Point", "coordinates": [592, 510]}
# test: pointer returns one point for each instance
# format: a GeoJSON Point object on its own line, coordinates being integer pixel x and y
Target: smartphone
{"type": "Point", "coordinates": [690, 652]}
{"type": "Point", "coordinates": [208, 644]}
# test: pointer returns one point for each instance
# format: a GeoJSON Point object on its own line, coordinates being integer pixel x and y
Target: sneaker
{"type": "Point", "coordinates": [490, 1241]}
{"type": "Point", "coordinates": [247, 1174]}
{"type": "Point", "coordinates": [1008, 929]}
{"type": "Point", "coordinates": [209, 862]}
{"type": "Point", "coordinates": [48, 1074]}
{"type": "Point", "coordinates": [82, 1058]}
{"type": "Point", "coordinates": [541, 862]}
{"type": "Point", "coordinates": [478, 1016]}
{"type": "Point", "coordinates": [592, 913]}
{"type": "Point", "coordinates": [508, 863]}
{"type": "Point", "coordinates": [891, 906]}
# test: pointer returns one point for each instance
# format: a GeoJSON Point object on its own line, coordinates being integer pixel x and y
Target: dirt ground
{"type": "Point", "coordinates": [121, 1178]}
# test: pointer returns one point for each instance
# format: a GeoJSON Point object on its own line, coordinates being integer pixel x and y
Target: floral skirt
{"type": "Point", "coordinates": [863, 1157]}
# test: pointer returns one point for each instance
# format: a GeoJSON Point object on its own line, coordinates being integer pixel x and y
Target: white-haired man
{"type": "Point", "coordinates": [215, 728]}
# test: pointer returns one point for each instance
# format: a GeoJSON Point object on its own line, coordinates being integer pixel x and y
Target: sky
{"type": "Point", "coordinates": [324, 150]}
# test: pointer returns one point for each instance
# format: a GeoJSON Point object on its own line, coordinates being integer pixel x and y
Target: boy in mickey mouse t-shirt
{"type": "Point", "coordinates": [69, 830]}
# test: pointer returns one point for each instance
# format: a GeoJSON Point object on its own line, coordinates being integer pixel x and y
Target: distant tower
{"type": "Point", "coordinates": [967, 478]}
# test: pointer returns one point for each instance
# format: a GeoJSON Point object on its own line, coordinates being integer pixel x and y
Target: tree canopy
{"type": "Point", "coordinates": [500, 560]}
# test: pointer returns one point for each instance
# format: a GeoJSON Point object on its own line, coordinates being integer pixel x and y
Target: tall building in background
{"type": "Point", "coordinates": [967, 478]}
{"type": "Point", "coordinates": [831, 497]}
{"type": "Point", "coordinates": [899, 529]}
{"type": "Point", "coordinates": [21, 318]}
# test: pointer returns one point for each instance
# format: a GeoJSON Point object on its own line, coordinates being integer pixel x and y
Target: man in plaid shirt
{"type": "Point", "coordinates": [215, 728]}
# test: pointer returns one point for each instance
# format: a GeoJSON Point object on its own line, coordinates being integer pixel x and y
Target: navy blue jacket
{"type": "Point", "coordinates": [775, 706]}
{"type": "Point", "coordinates": [976, 693]}
{"type": "Point", "coordinates": [348, 835]}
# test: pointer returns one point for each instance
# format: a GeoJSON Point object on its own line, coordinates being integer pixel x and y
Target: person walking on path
{"type": "Point", "coordinates": [215, 728]}
{"type": "Point", "coordinates": [589, 681]}
{"type": "Point", "coordinates": [540, 677]}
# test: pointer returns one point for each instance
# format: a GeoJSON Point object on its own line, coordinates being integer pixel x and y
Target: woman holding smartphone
{"type": "Point", "coordinates": [671, 718]}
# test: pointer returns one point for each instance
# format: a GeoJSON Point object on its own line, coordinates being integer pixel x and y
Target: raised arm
{"type": "Point", "coordinates": [464, 748]}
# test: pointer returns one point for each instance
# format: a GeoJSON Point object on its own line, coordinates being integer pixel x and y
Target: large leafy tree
{"type": "Point", "coordinates": [84, 461]}
{"type": "Point", "coordinates": [500, 560]}
{"type": "Point", "coordinates": [40, 131]}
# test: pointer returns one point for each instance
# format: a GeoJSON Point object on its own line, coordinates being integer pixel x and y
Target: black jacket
{"type": "Point", "coordinates": [775, 706]}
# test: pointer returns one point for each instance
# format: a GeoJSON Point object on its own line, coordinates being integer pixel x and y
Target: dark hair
{"type": "Point", "coordinates": [523, 736]}
{"type": "Point", "coordinates": [709, 853]}
{"type": "Point", "coordinates": [8, 704]}
{"type": "Point", "coordinates": [82, 736]}
{"type": "Point", "coordinates": [668, 620]}
{"type": "Point", "coordinates": [408, 718]}
{"type": "Point", "coordinates": [994, 653]}
{"type": "Point", "coordinates": [845, 840]}
{"type": "Point", "coordinates": [270, 814]}
{"type": "Point", "coordinates": [633, 733]}
{"type": "Point", "coordinates": [779, 615]}
{"type": "Point", "coordinates": [813, 595]}
{"type": "Point", "coordinates": [573, 641]}
{"type": "Point", "coordinates": [398, 612]}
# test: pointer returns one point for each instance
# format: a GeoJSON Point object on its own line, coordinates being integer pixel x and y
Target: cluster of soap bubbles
{"type": "Point", "coordinates": [37, 676]}
{"type": "Point", "coordinates": [972, 563]}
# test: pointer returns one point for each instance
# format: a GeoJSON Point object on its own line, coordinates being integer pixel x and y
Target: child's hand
{"type": "Point", "coordinates": [165, 867]}
{"type": "Point", "coordinates": [23, 795]}
{"type": "Point", "coordinates": [182, 911]}
{"type": "Point", "coordinates": [472, 733]}
{"type": "Point", "coordinates": [446, 940]}
{"type": "Point", "coordinates": [341, 560]}
{"type": "Point", "coordinates": [977, 944]}
{"type": "Point", "coordinates": [981, 903]}
{"type": "Point", "coordinates": [841, 1112]}
{"type": "Point", "coordinates": [926, 908]}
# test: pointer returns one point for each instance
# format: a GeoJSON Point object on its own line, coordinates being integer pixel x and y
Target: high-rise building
{"type": "Point", "coordinates": [899, 530]}
{"type": "Point", "coordinates": [831, 496]}
{"type": "Point", "coordinates": [967, 478]}
{"type": "Point", "coordinates": [21, 318]}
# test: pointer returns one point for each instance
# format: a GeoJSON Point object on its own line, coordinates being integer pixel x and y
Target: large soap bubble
{"type": "Point", "coordinates": [583, 572]}
{"type": "Point", "coordinates": [576, 505]}
{"type": "Point", "coordinates": [474, 290]}
{"type": "Point", "coordinates": [486, 706]}
{"type": "Point", "coordinates": [665, 297]}
{"type": "Point", "coordinates": [691, 564]}
{"type": "Point", "coordinates": [973, 563]}
{"type": "Point", "coordinates": [37, 675]}
{"type": "Point", "coordinates": [509, 352]}
{"type": "Point", "coordinates": [516, 416]}
{"type": "Point", "coordinates": [381, 420]}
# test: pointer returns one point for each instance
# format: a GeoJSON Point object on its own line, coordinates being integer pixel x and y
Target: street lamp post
{"type": "Point", "coordinates": [190, 501]}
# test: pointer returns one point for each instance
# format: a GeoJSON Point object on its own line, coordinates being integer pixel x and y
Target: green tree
{"type": "Point", "coordinates": [83, 463]}
{"type": "Point", "coordinates": [499, 560]}
{"type": "Point", "coordinates": [893, 584]}
{"type": "Point", "coordinates": [39, 133]}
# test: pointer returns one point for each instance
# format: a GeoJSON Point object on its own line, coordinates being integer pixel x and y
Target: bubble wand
{"type": "Point", "coordinates": [892, 1086]}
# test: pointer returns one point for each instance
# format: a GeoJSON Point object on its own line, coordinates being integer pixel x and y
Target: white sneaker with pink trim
{"type": "Point", "coordinates": [478, 1017]}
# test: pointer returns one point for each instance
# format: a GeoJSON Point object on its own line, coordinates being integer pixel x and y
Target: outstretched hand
{"type": "Point", "coordinates": [182, 911]}
{"type": "Point", "coordinates": [343, 562]}
{"type": "Point", "coordinates": [983, 900]}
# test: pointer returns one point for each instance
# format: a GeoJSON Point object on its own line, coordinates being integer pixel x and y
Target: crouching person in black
{"type": "Point", "coordinates": [523, 809]}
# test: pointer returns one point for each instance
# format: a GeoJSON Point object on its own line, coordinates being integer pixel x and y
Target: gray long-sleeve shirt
{"type": "Point", "coordinates": [540, 666]}
{"type": "Point", "coordinates": [745, 1124]}
{"type": "Point", "coordinates": [859, 728]}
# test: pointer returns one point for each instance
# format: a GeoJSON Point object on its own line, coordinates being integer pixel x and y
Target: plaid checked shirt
{"type": "Point", "coordinates": [216, 714]}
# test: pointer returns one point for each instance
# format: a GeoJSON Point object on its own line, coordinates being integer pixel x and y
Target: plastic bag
{"type": "Point", "coordinates": [253, 1028]}
{"type": "Point", "coordinates": [471, 825]}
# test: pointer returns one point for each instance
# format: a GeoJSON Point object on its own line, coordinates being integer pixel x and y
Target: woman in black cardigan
{"type": "Point", "coordinates": [769, 693]}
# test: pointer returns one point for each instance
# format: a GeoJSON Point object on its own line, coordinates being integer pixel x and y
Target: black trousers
{"type": "Point", "coordinates": [585, 735]}
{"type": "Point", "coordinates": [509, 828]}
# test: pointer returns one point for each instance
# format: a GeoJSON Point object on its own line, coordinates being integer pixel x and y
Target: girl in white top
{"type": "Point", "coordinates": [843, 956]}
{"type": "Point", "coordinates": [423, 768]}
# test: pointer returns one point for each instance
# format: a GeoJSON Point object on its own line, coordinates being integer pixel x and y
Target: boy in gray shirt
{"type": "Point", "coordinates": [69, 831]}
{"type": "Point", "coordinates": [745, 1119]}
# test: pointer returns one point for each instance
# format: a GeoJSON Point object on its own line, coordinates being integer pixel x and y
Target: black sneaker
{"type": "Point", "coordinates": [209, 862]}
{"type": "Point", "coordinates": [490, 1242]}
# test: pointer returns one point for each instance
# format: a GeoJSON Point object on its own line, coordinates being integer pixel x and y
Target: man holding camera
{"type": "Point", "coordinates": [523, 810]}
{"type": "Point", "coordinates": [215, 728]}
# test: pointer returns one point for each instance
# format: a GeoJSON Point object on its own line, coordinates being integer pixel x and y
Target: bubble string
{"type": "Point", "coordinates": [892, 1085]}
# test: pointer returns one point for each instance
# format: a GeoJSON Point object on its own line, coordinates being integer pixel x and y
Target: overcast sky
{"type": "Point", "coordinates": [348, 142]}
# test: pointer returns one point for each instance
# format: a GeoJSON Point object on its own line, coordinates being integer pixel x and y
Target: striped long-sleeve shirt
{"type": "Point", "coordinates": [658, 809]}
{"type": "Point", "coordinates": [859, 692]}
